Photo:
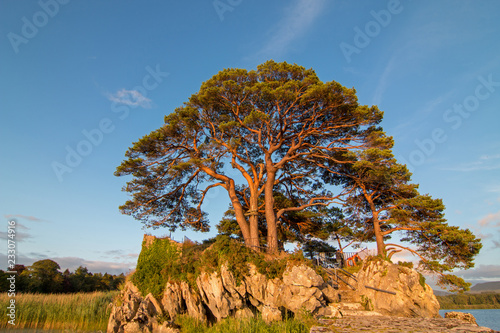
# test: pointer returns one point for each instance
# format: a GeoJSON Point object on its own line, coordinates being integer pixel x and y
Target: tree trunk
{"type": "Point", "coordinates": [378, 235]}
{"type": "Point", "coordinates": [379, 238]}
{"type": "Point", "coordinates": [272, 230]}
{"type": "Point", "coordinates": [239, 214]}
{"type": "Point", "coordinates": [254, 220]}
{"type": "Point", "coordinates": [340, 245]}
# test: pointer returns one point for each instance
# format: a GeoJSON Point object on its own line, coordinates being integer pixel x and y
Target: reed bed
{"type": "Point", "coordinates": [75, 312]}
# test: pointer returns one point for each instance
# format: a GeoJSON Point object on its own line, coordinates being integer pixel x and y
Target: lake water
{"type": "Point", "coordinates": [488, 318]}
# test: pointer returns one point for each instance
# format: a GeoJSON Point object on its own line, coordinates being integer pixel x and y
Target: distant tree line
{"type": "Point", "coordinates": [44, 277]}
{"type": "Point", "coordinates": [470, 301]}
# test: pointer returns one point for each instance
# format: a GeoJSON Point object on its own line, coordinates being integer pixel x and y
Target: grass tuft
{"type": "Point", "coordinates": [254, 325]}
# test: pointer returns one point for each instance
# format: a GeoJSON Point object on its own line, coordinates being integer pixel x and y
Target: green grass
{"type": "Point", "coordinates": [249, 325]}
{"type": "Point", "coordinates": [76, 312]}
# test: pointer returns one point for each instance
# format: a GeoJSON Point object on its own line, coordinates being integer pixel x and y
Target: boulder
{"type": "Point", "coordinates": [298, 298]}
{"type": "Point", "coordinates": [256, 285]}
{"type": "Point", "coordinates": [331, 295]}
{"type": "Point", "coordinates": [467, 317]}
{"type": "Point", "coordinates": [411, 299]}
{"type": "Point", "coordinates": [125, 313]}
{"type": "Point", "coordinates": [213, 294]}
{"type": "Point", "coordinates": [270, 314]}
{"type": "Point", "coordinates": [193, 303]}
{"type": "Point", "coordinates": [172, 299]}
{"type": "Point", "coordinates": [302, 275]}
{"type": "Point", "coordinates": [329, 311]}
{"type": "Point", "coordinates": [243, 313]}
{"type": "Point", "coordinates": [236, 289]}
{"type": "Point", "coordinates": [274, 293]}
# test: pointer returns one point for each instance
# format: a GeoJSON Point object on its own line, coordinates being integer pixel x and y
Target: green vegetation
{"type": "Point", "coordinates": [254, 325]}
{"type": "Point", "coordinates": [44, 277]}
{"type": "Point", "coordinates": [166, 261]}
{"type": "Point", "coordinates": [80, 311]}
{"type": "Point", "coordinates": [408, 264]}
{"type": "Point", "coordinates": [421, 280]}
{"type": "Point", "coordinates": [470, 301]}
{"type": "Point", "coordinates": [156, 265]}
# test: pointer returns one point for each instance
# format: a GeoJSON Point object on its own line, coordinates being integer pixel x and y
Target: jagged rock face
{"type": "Point", "coordinates": [137, 314]}
{"type": "Point", "coordinates": [219, 295]}
{"type": "Point", "coordinates": [411, 299]}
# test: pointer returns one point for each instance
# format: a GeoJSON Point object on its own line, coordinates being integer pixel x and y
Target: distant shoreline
{"type": "Point", "coordinates": [468, 301]}
{"type": "Point", "coordinates": [473, 307]}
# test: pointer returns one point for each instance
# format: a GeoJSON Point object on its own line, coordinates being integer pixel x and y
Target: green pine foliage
{"type": "Point", "coordinates": [298, 146]}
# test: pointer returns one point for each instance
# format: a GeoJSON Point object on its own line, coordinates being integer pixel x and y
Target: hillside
{"type": "Point", "coordinates": [441, 293]}
{"type": "Point", "coordinates": [487, 286]}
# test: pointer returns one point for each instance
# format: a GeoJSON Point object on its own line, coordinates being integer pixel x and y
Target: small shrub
{"type": "Point", "coordinates": [156, 265]}
{"type": "Point", "coordinates": [421, 280]}
{"type": "Point", "coordinates": [367, 303]}
{"type": "Point", "coordinates": [353, 269]}
{"type": "Point", "coordinates": [408, 264]}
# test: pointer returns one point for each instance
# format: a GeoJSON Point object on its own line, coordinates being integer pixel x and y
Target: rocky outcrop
{"type": "Point", "coordinates": [219, 296]}
{"type": "Point", "coordinates": [137, 314]}
{"type": "Point", "coordinates": [413, 298]}
{"type": "Point", "coordinates": [467, 317]}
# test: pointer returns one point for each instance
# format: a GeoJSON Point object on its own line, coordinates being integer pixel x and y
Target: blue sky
{"type": "Point", "coordinates": [81, 80]}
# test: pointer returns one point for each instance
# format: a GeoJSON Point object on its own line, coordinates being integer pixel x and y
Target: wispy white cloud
{"type": "Point", "coordinates": [131, 98]}
{"type": "Point", "coordinates": [24, 217]}
{"type": "Point", "coordinates": [19, 236]}
{"type": "Point", "coordinates": [485, 272]}
{"type": "Point", "coordinates": [119, 255]}
{"type": "Point", "coordinates": [94, 266]}
{"type": "Point", "coordinates": [72, 263]}
{"type": "Point", "coordinates": [384, 79]}
{"type": "Point", "coordinates": [484, 163]}
{"type": "Point", "coordinates": [436, 103]}
{"type": "Point", "coordinates": [490, 219]}
{"type": "Point", "coordinates": [297, 20]}
{"type": "Point", "coordinates": [490, 157]}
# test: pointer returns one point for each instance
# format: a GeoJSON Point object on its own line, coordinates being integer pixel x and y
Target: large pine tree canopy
{"type": "Point", "coordinates": [299, 146]}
